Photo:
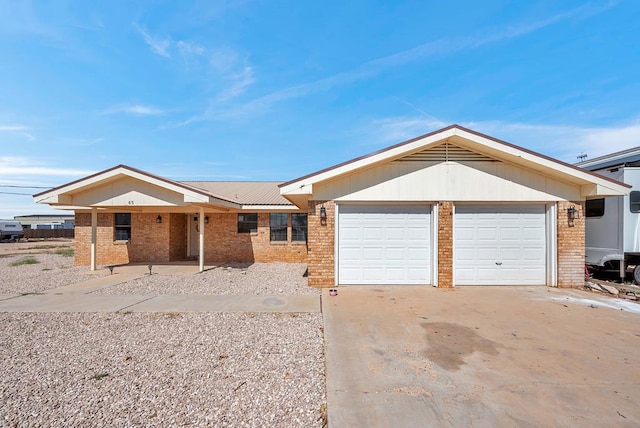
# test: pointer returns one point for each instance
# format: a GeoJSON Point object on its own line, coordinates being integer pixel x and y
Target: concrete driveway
{"type": "Point", "coordinates": [480, 356]}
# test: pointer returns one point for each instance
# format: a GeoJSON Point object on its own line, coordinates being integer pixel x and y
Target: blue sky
{"type": "Point", "coordinates": [272, 90]}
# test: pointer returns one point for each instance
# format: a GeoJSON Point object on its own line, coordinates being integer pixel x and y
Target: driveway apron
{"type": "Point", "coordinates": [479, 356]}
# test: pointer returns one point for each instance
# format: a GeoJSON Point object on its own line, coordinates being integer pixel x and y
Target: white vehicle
{"type": "Point", "coordinates": [10, 230]}
{"type": "Point", "coordinates": [613, 224]}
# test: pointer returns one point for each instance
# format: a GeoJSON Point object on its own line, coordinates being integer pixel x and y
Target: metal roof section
{"type": "Point", "coordinates": [244, 192]}
{"type": "Point", "coordinates": [629, 157]}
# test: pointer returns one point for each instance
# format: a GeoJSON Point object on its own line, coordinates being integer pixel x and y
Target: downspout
{"type": "Point", "coordinates": [94, 236]}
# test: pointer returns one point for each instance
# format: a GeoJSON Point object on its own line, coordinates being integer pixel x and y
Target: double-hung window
{"type": "Point", "coordinates": [122, 227]}
{"type": "Point", "coordinates": [299, 227]}
{"type": "Point", "coordinates": [278, 227]}
{"type": "Point", "coordinates": [247, 223]}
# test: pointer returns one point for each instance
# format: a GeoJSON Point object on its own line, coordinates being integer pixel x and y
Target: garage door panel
{"type": "Point", "coordinates": [500, 245]}
{"type": "Point", "coordinates": [393, 244]}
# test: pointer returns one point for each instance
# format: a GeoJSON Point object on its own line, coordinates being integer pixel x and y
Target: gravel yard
{"type": "Point", "coordinates": [136, 369]}
{"type": "Point", "coordinates": [50, 271]}
{"type": "Point", "coordinates": [256, 278]}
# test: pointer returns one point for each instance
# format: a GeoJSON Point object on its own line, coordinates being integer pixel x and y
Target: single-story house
{"type": "Point", "coordinates": [452, 207]}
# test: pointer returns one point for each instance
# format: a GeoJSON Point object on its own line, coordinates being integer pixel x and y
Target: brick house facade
{"type": "Point", "coordinates": [453, 207]}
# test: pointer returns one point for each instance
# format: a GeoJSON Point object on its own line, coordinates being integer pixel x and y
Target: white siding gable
{"type": "Point", "coordinates": [445, 181]}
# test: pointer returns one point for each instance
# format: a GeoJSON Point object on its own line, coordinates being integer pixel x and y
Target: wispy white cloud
{"type": "Point", "coordinates": [20, 130]}
{"type": "Point", "coordinates": [563, 142]}
{"type": "Point", "coordinates": [189, 48]}
{"type": "Point", "coordinates": [445, 46]}
{"type": "Point", "coordinates": [22, 166]}
{"type": "Point", "coordinates": [158, 45]}
{"type": "Point", "coordinates": [135, 109]}
{"type": "Point", "coordinates": [239, 82]}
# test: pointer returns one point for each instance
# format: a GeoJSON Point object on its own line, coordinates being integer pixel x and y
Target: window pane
{"type": "Point", "coordinates": [123, 234]}
{"type": "Point", "coordinates": [278, 226]}
{"type": "Point", "coordinates": [634, 201]}
{"type": "Point", "coordinates": [123, 219]}
{"type": "Point", "coordinates": [299, 227]}
{"type": "Point", "coordinates": [247, 223]}
{"type": "Point", "coordinates": [122, 227]}
{"type": "Point", "coordinates": [594, 207]}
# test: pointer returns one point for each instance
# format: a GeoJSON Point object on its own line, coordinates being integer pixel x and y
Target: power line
{"type": "Point", "coordinates": [14, 193]}
{"type": "Point", "coordinates": [24, 187]}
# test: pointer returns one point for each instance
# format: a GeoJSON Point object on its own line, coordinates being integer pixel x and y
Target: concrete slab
{"type": "Point", "coordinates": [479, 356]}
{"type": "Point", "coordinates": [94, 284]}
{"type": "Point", "coordinates": [70, 303]}
{"type": "Point", "coordinates": [229, 303]}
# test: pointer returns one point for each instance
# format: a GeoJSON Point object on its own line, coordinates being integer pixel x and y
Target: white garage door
{"type": "Point", "coordinates": [384, 244]}
{"type": "Point", "coordinates": [500, 245]}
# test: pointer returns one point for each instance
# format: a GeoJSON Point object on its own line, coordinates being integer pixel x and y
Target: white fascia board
{"type": "Point", "coordinates": [299, 187]}
{"type": "Point", "coordinates": [539, 163]}
{"type": "Point", "coordinates": [284, 208]}
{"type": "Point", "coordinates": [597, 190]}
{"type": "Point", "coordinates": [54, 199]}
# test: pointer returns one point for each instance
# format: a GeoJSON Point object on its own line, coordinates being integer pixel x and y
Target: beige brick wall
{"type": "Point", "coordinates": [445, 244]}
{"type": "Point", "coordinates": [167, 241]}
{"type": "Point", "coordinates": [571, 246]}
{"type": "Point", "coordinates": [107, 251]}
{"type": "Point", "coordinates": [321, 245]}
{"type": "Point", "coordinates": [223, 243]}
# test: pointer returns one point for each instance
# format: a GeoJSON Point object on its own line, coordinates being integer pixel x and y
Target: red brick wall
{"type": "Point", "coordinates": [321, 245]}
{"type": "Point", "coordinates": [107, 251]}
{"type": "Point", "coordinates": [445, 244]}
{"type": "Point", "coordinates": [223, 243]}
{"type": "Point", "coordinates": [571, 246]}
{"type": "Point", "coordinates": [167, 241]}
{"type": "Point", "coordinates": [149, 239]}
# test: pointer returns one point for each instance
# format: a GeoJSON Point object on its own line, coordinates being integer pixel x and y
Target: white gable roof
{"type": "Point", "coordinates": [591, 185]}
{"type": "Point", "coordinates": [65, 195]}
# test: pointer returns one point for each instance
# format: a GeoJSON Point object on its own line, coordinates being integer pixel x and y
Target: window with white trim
{"type": "Point", "coordinates": [299, 227]}
{"type": "Point", "coordinates": [122, 227]}
{"type": "Point", "coordinates": [278, 227]}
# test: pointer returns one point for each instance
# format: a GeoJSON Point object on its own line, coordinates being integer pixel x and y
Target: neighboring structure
{"type": "Point", "coordinates": [613, 224]}
{"type": "Point", "coordinates": [46, 221]}
{"type": "Point", "coordinates": [453, 207]}
{"type": "Point", "coordinates": [10, 230]}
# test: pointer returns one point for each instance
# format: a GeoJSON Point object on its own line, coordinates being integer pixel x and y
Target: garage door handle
{"type": "Point", "coordinates": [498, 263]}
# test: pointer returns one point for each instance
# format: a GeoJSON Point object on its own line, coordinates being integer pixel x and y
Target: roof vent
{"type": "Point", "coordinates": [446, 152]}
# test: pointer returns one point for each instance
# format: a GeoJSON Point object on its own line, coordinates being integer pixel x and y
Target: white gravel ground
{"type": "Point", "coordinates": [158, 370]}
{"type": "Point", "coordinates": [256, 278]}
{"type": "Point", "coordinates": [51, 271]}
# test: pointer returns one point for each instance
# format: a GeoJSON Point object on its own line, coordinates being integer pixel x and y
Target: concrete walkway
{"type": "Point", "coordinates": [77, 297]}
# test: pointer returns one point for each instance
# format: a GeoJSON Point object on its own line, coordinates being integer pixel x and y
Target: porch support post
{"type": "Point", "coordinates": [201, 238]}
{"type": "Point", "coordinates": [94, 236]}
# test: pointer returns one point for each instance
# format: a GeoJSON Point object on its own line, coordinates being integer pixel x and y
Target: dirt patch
{"type": "Point", "coordinates": [450, 343]}
{"type": "Point", "coordinates": [34, 247]}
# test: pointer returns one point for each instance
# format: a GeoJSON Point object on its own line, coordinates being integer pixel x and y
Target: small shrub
{"type": "Point", "coordinates": [46, 269]}
{"type": "Point", "coordinates": [99, 376]}
{"type": "Point", "coordinates": [65, 252]}
{"type": "Point", "coordinates": [25, 261]}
